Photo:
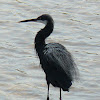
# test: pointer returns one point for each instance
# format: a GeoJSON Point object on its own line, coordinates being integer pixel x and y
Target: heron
{"type": "Point", "coordinates": [55, 60]}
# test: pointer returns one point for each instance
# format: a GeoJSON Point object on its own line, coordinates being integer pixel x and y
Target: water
{"type": "Point", "coordinates": [77, 27]}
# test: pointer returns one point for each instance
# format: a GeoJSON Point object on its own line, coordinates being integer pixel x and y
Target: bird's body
{"type": "Point", "coordinates": [55, 56]}
{"type": "Point", "coordinates": [55, 60]}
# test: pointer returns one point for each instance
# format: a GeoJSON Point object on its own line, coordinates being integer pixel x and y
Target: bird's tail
{"type": "Point", "coordinates": [65, 85]}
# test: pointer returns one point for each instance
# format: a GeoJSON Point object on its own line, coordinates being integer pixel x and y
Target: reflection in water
{"type": "Point", "coordinates": [76, 27]}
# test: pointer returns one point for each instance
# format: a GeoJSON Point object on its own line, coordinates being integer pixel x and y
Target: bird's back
{"type": "Point", "coordinates": [58, 65]}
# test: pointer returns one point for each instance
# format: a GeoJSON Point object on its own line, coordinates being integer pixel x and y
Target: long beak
{"type": "Point", "coordinates": [29, 20]}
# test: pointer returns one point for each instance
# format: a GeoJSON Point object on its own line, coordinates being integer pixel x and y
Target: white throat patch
{"type": "Point", "coordinates": [41, 21]}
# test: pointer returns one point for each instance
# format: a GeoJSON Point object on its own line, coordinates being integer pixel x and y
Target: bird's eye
{"type": "Point", "coordinates": [39, 18]}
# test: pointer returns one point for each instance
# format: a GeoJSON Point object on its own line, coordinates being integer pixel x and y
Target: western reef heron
{"type": "Point", "coordinates": [55, 60]}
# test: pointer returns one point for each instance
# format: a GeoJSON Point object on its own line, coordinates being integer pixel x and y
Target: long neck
{"type": "Point", "coordinates": [42, 35]}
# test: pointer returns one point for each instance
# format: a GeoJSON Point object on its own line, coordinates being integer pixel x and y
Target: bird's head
{"type": "Point", "coordinates": [45, 18]}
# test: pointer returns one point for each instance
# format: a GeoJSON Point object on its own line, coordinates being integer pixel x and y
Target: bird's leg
{"type": "Point", "coordinates": [60, 93]}
{"type": "Point", "coordinates": [48, 91]}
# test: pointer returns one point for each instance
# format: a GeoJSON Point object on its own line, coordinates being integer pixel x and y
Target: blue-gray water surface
{"type": "Point", "coordinates": [77, 27]}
